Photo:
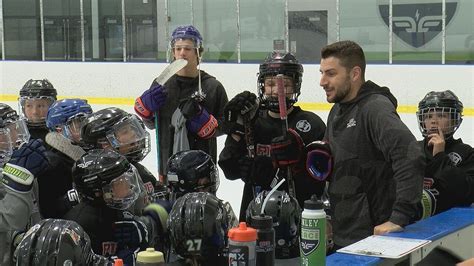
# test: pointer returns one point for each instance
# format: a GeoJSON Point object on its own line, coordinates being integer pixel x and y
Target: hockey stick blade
{"type": "Point", "coordinates": [64, 145]}
{"type": "Point", "coordinates": [170, 70]}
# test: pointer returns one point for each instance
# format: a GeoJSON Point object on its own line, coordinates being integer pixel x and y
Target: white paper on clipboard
{"type": "Point", "coordinates": [384, 246]}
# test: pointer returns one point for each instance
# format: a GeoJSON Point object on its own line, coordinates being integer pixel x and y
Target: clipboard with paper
{"type": "Point", "coordinates": [384, 246]}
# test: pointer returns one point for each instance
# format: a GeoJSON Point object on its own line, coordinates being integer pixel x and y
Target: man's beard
{"type": "Point", "coordinates": [343, 91]}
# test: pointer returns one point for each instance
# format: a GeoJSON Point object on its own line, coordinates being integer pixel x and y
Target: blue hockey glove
{"type": "Point", "coordinates": [26, 162]}
{"type": "Point", "coordinates": [131, 236]}
{"type": "Point", "coordinates": [159, 211]}
{"type": "Point", "coordinates": [150, 101]}
{"type": "Point", "coordinates": [199, 121]}
{"type": "Point", "coordinates": [287, 150]}
{"type": "Point", "coordinates": [319, 160]}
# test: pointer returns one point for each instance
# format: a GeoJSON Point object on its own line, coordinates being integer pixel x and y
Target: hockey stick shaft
{"type": "Point", "coordinates": [284, 124]}
{"type": "Point", "coordinates": [165, 75]}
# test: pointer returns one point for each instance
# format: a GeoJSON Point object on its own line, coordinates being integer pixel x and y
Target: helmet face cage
{"type": "Point", "coordinates": [72, 128]}
{"type": "Point", "coordinates": [286, 214]}
{"type": "Point", "coordinates": [19, 133]}
{"type": "Point", "coordinates": [198, 226]}
{"type": "Point", "coordinates": [35, 109]}
{"type": "Point", "coordinates": [55, 242]}
{"type": "Point", "coordinates": [277, 63]}
{"type": "Point", "coordinates": [6, 146]}
{"type": "Point", "coordinates": [130, 138]}
{"type": "Point", "coordinates": [123, 190]}
{"type": "Point", "coordinates": [439, 111]}
{"type": "Point", "coordinates": [192, 171]}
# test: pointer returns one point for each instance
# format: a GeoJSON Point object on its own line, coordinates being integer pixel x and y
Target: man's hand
{"type": "Point", "coordinates": [437, 141]}
{"type": "Point", "coordinates": [387, 227]}
{"type": "Point", "coordinates": [150, 101]}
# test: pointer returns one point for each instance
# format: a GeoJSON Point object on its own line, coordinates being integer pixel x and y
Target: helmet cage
{"type": "Point", "coordinates": [123, 190]}
{"type": "Point", "coordinates": [6, 146]}
{"type": "Point", "coordinates": [25, 101]}
{"type": "Point", "coordinates": [440, 104]}
{"type": "Point", "coordinates": [130, 138]}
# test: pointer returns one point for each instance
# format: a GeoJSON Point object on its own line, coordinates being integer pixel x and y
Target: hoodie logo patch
{"type": "Point", "coordinates": [303, 126]}
{"type": "Point", "coordinates": [455, 158]}
{"type": "Point", "coordinates": [351, 123]}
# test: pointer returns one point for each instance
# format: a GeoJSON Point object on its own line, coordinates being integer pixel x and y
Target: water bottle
{"type": "Point", "coordinates": [150, 257]}
{"type": "Point", "coordinates": [242, 241]}
{"type": "Point", "coordinates": [265, 245]}
{"type": "Point", "coordinates": [313, 233]}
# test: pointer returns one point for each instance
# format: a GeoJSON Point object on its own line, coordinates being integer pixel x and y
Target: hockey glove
{"type": "Point", "coordinates": [319, 160]}
{"type": "Point", "coordinates": [131, 236]}
{"type": "Point", "coordinates": [246, 169]}
{"type": "Point", "coordinates": [150, 101]}
{"type": "Point", "coordinates": [287, 150]}
{"type": "Point", "coordinates": [242, 107]}
{"type": "Point", "coordinates": [26, 162]}
{"type": "Point", "coordinates": [199, 121]}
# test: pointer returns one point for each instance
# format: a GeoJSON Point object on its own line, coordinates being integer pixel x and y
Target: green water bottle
{"type": "Point", "coordinates": [313, 233]}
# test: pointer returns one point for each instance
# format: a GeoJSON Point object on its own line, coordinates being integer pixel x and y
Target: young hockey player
{"type": "Point", "coordinates": [108, 185]}
{"type": "Point", "coordinates": [198, 225]}
{"type": "Point", "coordinates": [189, 103]}
{"type": "Point", "coordinates": [22, 160]}
{"type": "Point", "coordinates": [449, 173]}
{"type": "Point", "coordinates": [56, 242]}
{"type": "Point", "coordinates": [250, 145]}
{"type": "Point", "coordinates": [36, 97]}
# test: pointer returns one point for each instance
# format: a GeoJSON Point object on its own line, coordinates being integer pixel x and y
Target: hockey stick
{"type": "Point", "coordinates": [284, 126]}
{"type": "Point", "coordinates": [167, 73]}
{"type": "Point", "coordinates": [64, 145]}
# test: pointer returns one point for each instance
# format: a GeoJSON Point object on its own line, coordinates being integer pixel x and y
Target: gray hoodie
{"type": "Point", "coordinates": [378, 166]}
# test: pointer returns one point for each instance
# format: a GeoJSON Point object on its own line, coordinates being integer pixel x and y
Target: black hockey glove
{"type": "Point", "coordinates": [246, 165]}
{"type": "Point", "coordinates": [131, 235]}
{"type": "Point", "coordinates": [242, 107]}
{"type": "Point", "coordinates": [287, 150]}
{"type": "Point", "coordinates": [190, 108]}
{"type": "Point", "coordinates": [319, 160]}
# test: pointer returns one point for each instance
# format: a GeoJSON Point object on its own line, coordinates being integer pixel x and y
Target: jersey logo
{"type": "Point", "coordinates": [109, 248]}
{"type": "Point", "coordinates": [455, 158]}
{"type": "Point", "coordinates": [149, 187]}
{"type": "Point", "coordinates": [352, 123]}
{"type": "Point", "coordinates": [263, 150]}
{"type": "Point", "coordinates": [303, 126]}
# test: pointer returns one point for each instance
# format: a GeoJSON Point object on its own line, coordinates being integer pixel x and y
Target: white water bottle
{"type": "Point", "coordinates": [313, 233]}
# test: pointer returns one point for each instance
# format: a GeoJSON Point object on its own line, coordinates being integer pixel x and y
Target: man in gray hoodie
{"type": "Point", "coordinates": [377, 177]}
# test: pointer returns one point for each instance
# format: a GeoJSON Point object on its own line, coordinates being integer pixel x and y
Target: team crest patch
{"type": "Point", "coordinates": [311, 244]}
{"type": "Point", "coordinates": [455, 158]}
{"type": "Point", "coordinates": [303, 126]}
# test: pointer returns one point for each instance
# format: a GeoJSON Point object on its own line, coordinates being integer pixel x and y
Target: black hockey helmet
{"type": "Point", "coordinates": [94, 128]}
{"type": "Point", "coordinates": [286, 214]}
{"type": "Point", "coordinates": [192, 171]}
{"type": "Point", "coordinates": [106, 177]}
{"type": "Point", "coordinates": [198, 225]}
{"type": "Point", "coordinates": [33, 90]}
{"type": "Point", "coordinates": [55, 242]}
{"type": "Point", "coordinates": [279, 63]}
{"type": "Point", "coordinates": [444, 103]}
{"type": "Point", "coordinates": [7, 114]}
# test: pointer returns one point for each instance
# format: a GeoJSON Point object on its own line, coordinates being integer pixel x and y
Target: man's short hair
{"type": "Point", "coordinates": [349, 53]}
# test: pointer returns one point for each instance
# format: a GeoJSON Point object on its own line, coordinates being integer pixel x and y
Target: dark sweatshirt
{"type": "Point", "coordinates": [378, 170]}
